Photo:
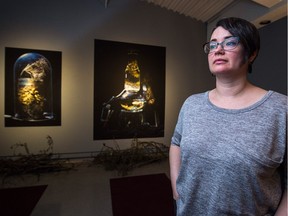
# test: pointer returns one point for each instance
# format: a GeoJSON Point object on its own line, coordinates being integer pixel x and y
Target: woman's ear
{"type": "Point", "coordinates": [252, 57]}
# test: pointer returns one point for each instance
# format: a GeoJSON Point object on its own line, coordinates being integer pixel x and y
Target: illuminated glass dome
{"type": "Point", "coordinates": [33, 88]}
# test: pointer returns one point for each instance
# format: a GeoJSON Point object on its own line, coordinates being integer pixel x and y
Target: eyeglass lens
{"type": "Point", "coordinates": [227, 44]}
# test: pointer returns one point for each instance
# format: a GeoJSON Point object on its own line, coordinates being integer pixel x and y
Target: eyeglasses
{"type": "Point", "coordinates": [228, 44]}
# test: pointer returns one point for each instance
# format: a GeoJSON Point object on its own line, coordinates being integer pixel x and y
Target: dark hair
{"type": "Point", "coordinates": [247, 33]}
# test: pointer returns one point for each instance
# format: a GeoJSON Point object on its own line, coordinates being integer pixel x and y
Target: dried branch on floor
{"type": "Point", "coordinates": [29, 163]}
{"type": "Point", "coordinates": [112, 158]}
{"type": "Point", "coordinates": [140, 153]}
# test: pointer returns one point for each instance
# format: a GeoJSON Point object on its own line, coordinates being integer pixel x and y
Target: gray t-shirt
{"type": "Point", "coordinates": [232, 160]}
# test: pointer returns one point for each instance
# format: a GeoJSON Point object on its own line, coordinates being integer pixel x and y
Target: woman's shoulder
{"type": "Point", "coordinates": [276, 100]}
{"type": "Point", "coordinates": [197, 97]}
{"type": "Point", "coordinates": [195, 100]}
{"type": "Point", "coordinates": [278, 97]}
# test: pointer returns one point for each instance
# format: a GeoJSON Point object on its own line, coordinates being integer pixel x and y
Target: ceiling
{"type": "Point", "coordinates": [207, 10]}
{"type": "Point", "coordinates": [202, 10]}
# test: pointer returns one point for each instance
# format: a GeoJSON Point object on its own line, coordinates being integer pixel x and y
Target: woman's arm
{"type": "Point", "coordinates": [282, 209]}
{"type": "Point", "coordinates": [175, 162]}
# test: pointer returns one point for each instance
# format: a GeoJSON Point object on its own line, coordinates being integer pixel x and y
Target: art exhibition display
{"type": "Point", "coordinates": [32, 87]}
{"type": "Point", "coordinates": [129, 89]}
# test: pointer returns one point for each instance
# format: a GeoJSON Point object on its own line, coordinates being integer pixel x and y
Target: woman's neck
{"type": "Point", "coordinates": [231, 88]}
{"type": "Point", "coordinates": [235, 94]}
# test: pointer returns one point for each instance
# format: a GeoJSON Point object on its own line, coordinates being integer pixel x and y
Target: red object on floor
{"type": "Point", "coordinates": [20, 201]}
{"type": "Point", "coordinates": [147, 195]}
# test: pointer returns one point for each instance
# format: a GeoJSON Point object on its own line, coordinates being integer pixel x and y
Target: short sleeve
{"type": "Point", "coordinates": [177, 135]}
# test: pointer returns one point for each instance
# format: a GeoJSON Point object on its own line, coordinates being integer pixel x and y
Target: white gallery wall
{"type": "Point", "coordinates": [71, 27]}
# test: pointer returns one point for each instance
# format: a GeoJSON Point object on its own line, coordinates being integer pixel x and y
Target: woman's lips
{"type": "Point", "coordinates": [219, 61]}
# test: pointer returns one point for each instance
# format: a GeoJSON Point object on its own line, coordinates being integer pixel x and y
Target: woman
{"type": "Point", "coordinates": [228, 151]}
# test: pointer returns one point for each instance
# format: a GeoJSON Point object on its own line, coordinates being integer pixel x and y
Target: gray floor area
{"type": "Point", "coordinates": [81, 192]}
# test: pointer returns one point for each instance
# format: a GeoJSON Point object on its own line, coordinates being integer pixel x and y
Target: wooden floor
{"type": "Point", "coordinates": [84, 191]}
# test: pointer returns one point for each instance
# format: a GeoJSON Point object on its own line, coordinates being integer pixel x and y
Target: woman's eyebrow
{"type": "Point", "coordinates": [224, 38]}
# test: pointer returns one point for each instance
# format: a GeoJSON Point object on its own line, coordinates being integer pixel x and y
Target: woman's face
{"type": "Point", "coordinates": [225, 61]}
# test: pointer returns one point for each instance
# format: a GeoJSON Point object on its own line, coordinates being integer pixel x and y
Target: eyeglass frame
{"type": "Point", "coordinates": [205, 47]}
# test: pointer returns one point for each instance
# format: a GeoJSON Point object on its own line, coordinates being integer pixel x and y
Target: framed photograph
{"type": "Point", "coordinates": [32, 87]}
{"type": "Point", "coordinates": [129, 90]}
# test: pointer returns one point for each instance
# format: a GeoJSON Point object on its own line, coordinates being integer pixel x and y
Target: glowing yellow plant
{"type": "Point", "coordinates": [28, 95]}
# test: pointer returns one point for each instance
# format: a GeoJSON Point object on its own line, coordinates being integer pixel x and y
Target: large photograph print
{"type": "Point", "coordinates": [129, 90]}
{"type": "Point", "coordinates": [32, 87]}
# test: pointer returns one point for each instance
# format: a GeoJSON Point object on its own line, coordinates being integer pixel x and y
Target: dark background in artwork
{"type": "Point", "coordinates": [54, 57]}
{"type": "Point", "coordinates": [111, 59]}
